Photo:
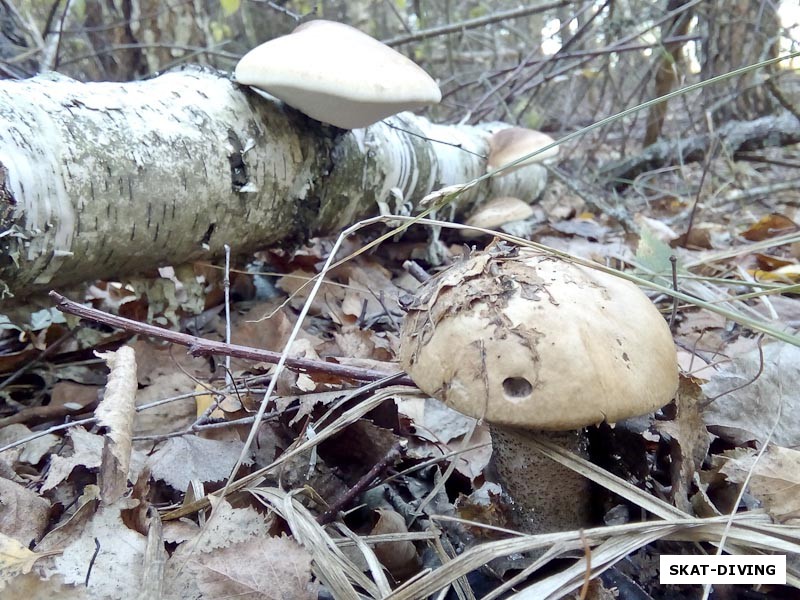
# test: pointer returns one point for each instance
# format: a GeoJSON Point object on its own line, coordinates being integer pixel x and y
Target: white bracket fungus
{"type": "Point", "coordinates": [337, 74]}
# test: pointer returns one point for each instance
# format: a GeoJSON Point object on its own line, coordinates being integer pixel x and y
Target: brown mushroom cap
{"type": "Point", "coordinates": [337, 74]}
{"type": "Point", "coordinates": [508, 145]}
{"type": "Point", "coordinates": [521, 338]}
{"type": "Point", "coordinates": [497, 212]}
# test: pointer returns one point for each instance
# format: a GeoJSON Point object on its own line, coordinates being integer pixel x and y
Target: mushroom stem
{"type": "Point", "coordinates": [548, 497]}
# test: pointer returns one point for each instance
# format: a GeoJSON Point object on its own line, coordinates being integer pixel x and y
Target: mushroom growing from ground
{"type": "Point", "coordinates": [495, 213]}
{"type": "Point", "coordinates": [337, 74]}
{"type": "Point", "coordinates": [529, 342]}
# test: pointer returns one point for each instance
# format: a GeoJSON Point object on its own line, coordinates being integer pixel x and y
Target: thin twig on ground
{"type": "Point", "coordinates": [202, 347]}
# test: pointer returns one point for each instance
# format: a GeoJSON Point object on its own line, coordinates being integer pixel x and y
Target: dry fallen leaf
{"type": "Point", "coordinates": [74, 396]}
{"type": "Point", "coordinates": [755, 400]}
{"type": "Point", "coordinates": [296, 284]}
{"type": "Point", "coordinates": [15, 559]}
{"type": "Point", "coordinates": [87, 452]}
{"type": "Point", "coordinates": [33, 587]}
{"type": "Point", "coordinates": [30, 452]}
{"type": "Point", "coordinates": [170, 416]}
{"type": "Point", "coordinates": [689, 441]}
{"type": "Point", "coordinates": [226, 526]}
{"type": "Point", "coordinates": [181, 459]}
{"type": "Point", "coordinates": [116, 565]}
{"type": "Point", "coordinates": [775, 479]}
{"type": "Point", "coordinates": [785, 274]}
{"type": "Point", "coordinates": [769, 226]}
{"type": "Point", "coordinates": [268, 568]}
{"type": "Point", "coordinates": [24, 514]}
{"type": "Point", "coordinates": [399, 557]}
{"type": "Point", "coordinates": [439, 429]}
{"type": "Point", "coordinates": [205, 548]}
{"type": "Point", "coordinates": [154, 361]}
{"type": "Point", "coordinates": [254, 330]}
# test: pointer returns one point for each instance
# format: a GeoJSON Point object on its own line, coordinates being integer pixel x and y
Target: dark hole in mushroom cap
{"type": "Point", "coordinates": [517, 387]}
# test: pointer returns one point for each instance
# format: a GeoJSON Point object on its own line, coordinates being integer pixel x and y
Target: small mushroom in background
{"type": "Point", "coordinates": [514, 143]}
{"type": "Point", "coordinates": [536, 345]}
{"type": "Point", "coordinates": [337, 74]}
{"type": "Point", "coordinates": [496, 213]}
{"type": "Point", "coordinates": [508, 145]}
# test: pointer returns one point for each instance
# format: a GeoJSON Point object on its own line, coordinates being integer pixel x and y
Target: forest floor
{"type": "Point", "coordinates": [350, 489]}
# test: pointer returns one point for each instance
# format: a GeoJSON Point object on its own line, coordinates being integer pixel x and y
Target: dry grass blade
{"type": "Point", "coordinates": [329, 563]}
{"type": "Point", "coordinates": [745, 535]}
{"type": "Point", "coordinates": [374, 564]}
{"type": "Point", "coordinates": [610, 544]}
{"type": "Point", "coordinates": [603, 557]}
{"type": "Point", "coordinates": [523, 575]}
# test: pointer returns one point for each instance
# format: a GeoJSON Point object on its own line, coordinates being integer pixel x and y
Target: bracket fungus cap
{"type": "Point", "coordinates": [337, 74]}
{"type": "Point", "coordinates": [525, 339]}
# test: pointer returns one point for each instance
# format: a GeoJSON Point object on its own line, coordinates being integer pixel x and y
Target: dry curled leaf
{"type": "Point", "coordinates": [399, 557]}
{"type": "Point", "coordinates": [755, 398]}
{"type": "Point", "coordinates": [774, 481]}
{"type": "Point", "coordinates": [24, 514]}
{"type": "Point", "coordinates": [116, 412]}
{"type": "Point", "coordinates": [87, 452]}
{"type": "Point", "coordinates": [768, 227]}
{"type": "Point", "coordinates": [181, 459]}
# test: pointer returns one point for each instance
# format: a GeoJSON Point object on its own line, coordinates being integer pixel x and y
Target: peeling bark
{"type": "Point", "coordinates": [99, 180]}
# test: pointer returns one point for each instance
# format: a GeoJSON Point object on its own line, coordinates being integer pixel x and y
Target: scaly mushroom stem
{"type": "Point", "coordinates": [548, 497]}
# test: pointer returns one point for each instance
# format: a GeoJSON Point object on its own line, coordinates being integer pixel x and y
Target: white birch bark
{"type": "Point", "coordinates": [98, 180]}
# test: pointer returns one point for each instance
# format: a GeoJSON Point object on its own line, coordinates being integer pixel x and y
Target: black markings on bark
{"type": "Point", "coordinates": [7, 200]}
{"type": "Point", "coordinates": [236, 160]}
{"type": "Point", "coordinates": [207, 235]}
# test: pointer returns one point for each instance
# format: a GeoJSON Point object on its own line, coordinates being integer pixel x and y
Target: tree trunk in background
{"type": "Point", "coordinates": [739, 33]}
{"type": "Point", "coordinates": [118, 54]}
{"type": "Point", "coordinates": [104, 179]}
{"type": "Point", "coordinates": [668, 67]}
{"type": "Point", "coordinates": [730, 138]}
{"type": "Point", "coordinates": [17, 40]}
{"type": "Point", "coordinates": [125, 40]}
